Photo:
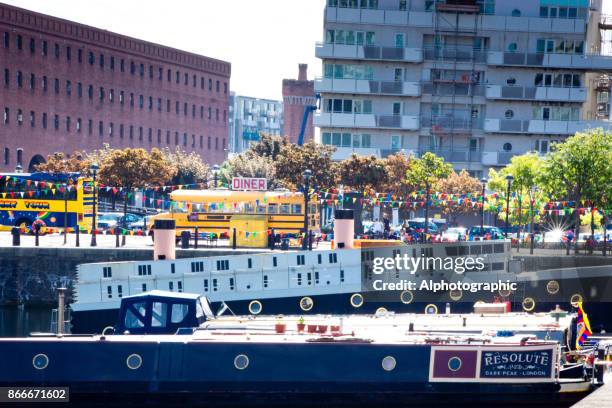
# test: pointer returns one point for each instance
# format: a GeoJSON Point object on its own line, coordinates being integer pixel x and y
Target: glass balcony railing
{"type": "Point", "coordinates": [451, 123]}
{"type": "Point", "coordinates": [454, 155]}
{"type": "Point", "coordinates": [463, 54]}
{"type": "Point", "coordinates": [449, 89]}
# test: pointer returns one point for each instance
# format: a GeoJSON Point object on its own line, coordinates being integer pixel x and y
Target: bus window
{"type": "Point", "coordinates": [261, 209]}
{"type": "Point", "coordinates": [272, 208]}
{"type": "Point", "coordinates": [248, 208]}
{"type": "Point", "coordinates": [296, 208]}
{"type": "Point", "coordinates": [284, 208]}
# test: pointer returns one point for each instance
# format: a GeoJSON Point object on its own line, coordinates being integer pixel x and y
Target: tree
{"type": "Point", "coordinates": [396, 167]}
{"type": "Point", "coordinates": [190, 169]}
{"type": "Point", "coordinates": [293, 160]}
{"type": "Point", "coordinates": [580, 169]}
{"type": "Point", "coordinates": [269, 146]}
{"type": "Point", "coordinates": [249, 165]}
{"type": "Point", "coordinates": [135, 168]}
{"type": "Point", "coordinates": [362, 173]}
{"type": "Point", "coordinates": [459, 184]}
{"type": "Point", "coordinates": [60, 163]}
{"type": "Point", "coordinates": [427, 169]}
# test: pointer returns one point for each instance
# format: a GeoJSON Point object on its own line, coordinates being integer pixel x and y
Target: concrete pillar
{"type": "Point", "coordinates": [344, 229]}
{"type": "Point", "coordinates": [164, 245]}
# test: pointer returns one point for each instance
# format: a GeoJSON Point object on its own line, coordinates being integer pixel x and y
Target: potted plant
{"type": "Point", "coordinates": [301, 325]}
{"type": "Point", "coordinates": [312, 328]}
{"type": "Point", "coordinates": [280, 326]}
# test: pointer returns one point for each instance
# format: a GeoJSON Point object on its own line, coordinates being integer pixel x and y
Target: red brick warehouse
{"type": "Point", "coordinates": [67, 86]}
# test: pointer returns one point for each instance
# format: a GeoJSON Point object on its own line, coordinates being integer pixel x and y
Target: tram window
{"type": "Point", "coordinates": [319, 258]}
{"type": "Point", "coordinates": [284, 208]}
{"type": "Point", "coordinates": [250, 263]}
{"type": "Point", "coordinates": [159, 314]}
{"type": "Point", "coordinates": [272, 208]}
{"type": "Point", "coordinates": [296, 208]}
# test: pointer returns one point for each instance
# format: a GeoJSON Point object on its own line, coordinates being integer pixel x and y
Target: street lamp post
{"type": "Point", "coordinates": [426, 211]}
{"type": "Point", "coordinates": [215, 170]}
{"type": "Point", "coordinates": [509, 179]}
{"type": "Point", "coordinates": [307, 175]}
{"type": "Point", "coordinates": [94, 169]}
{"type": "Point", "coordinates": [484, 186]}
{"type": "Point", "coordinates": [65, 185]}
{"type": "Point", "coordinates": [532, 238]}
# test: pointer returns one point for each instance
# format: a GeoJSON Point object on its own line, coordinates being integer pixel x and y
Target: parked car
{"type": "Point", "coordinates": [114, 219]}
{"type": "Point", "coordinates": [454, 234]}
{"type": "Point", "coordinates": [419, 225]}
{"type": "Point", "coordinates": [493, 232]}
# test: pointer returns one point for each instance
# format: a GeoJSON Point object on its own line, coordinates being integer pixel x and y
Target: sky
{"type": "Point", "coordinates": [264, 40]}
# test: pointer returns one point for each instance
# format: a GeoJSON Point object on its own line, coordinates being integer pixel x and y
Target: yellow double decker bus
{"type": "Point", "coordinates": [212, 211]}
{"type": "Point", "coordinates": [57, 200]}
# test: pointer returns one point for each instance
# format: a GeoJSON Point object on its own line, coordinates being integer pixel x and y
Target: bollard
{"type": "Point", "coordinates": [123, 237]}
{"type": "Point", "coordinates": [310, 240]}
{"type": "Point", "coordinates": [116, 231]}
{"type": "Point", "coordinates": [185, 237]}
{"type": "Point", "coordinates": [196, 238]}
{"type": "Point", "coordinates": [16, 233]}
{"type": "Point", "coordinates": [61, 293]}
{"type": "Point", "coordinates": [234, 238]}
{"type": "Point", "coordinates": [36, 234]}
{"type": "Point", "coordinates": [78, 235]}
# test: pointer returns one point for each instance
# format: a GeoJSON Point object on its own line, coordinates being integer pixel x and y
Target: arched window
{"type": "Point", "coordinates": [516, 13]}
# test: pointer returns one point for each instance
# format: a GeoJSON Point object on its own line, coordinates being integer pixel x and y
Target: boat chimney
{"type": "Point", "coordinates": [164, 243]}
{"type": "Point", "coordinates": [344, 228]}
{"type": "Point", "coordinates": [61, 301]}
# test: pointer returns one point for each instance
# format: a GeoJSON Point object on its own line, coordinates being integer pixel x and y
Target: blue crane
{"type": "Point", "coordinates": [308, 109]}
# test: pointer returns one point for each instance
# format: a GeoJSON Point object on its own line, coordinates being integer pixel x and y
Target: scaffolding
{"type": "Point", "coordinates": [453, 21]}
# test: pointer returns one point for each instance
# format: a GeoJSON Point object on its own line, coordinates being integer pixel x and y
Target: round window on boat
{"type": "Point", "coordinates": [134, 361]}
{"type": "Point", "coordinates": [454, 363]}
{"type": "Point", "coordinates": [255, 307]}
{"type": "Point", "coordinates": [357, 300]}
{"type": "Point", "coordinates": [575, 299]}
{"type": "Point", "coordinates": [406, 297]}
{"type": "Point", "coordinates": [456, 294]}
{"type": "Point", "coordinates": [40, 361]}
{"type": "Point", "coordinates": [528, 304]}
{"type": "Point", "coordinates": [241, 361]}
{"type": "Point", "coordinates": [389, 363]}
{"type": "Point", "coordinates": [552, 287]}
{"type": "Point", "coordinates": [431, 309]}
{"type": "Point", "coordinates": [306, 303]}
{"type": "Point", "coordinates": [381, 311]}
{"type": "Point", "coordinates": [504, 293]}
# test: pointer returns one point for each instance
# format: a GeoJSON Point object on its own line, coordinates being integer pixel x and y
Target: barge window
{"type": "Point", "coordinates": [300, 260]}
{"type": "Point", "coordinates": [179, 284]}
{"type": "Point", "coordinates": [171, 286]}
{"type": "Point", "coordinates": [159, 314]}
{"type": "Point", "coordinates": [144, 287]}
{"type": "Point", "coordinates": [109, 290]}
{"type": "Point", "coordinates": [274, 262]}
{"type": "Point", "coordinates": [107, 272]}
{"type": "Point", "coordinates": [132, 321]}
{"type": "Point", "coordinates": [214, 285]}
{"type": "Point", "coordinates": [319, 258]}
{"type": "Point", "coordinates": [250, 263]}
{"type": "Point", "coordinates": [119, 291]}
{"type": "Point", "coordinates": [205, 285]}
{"type": "Point", "coordinates": [231, 283]}
{"type": "Point", "coordinates": [265, 281]}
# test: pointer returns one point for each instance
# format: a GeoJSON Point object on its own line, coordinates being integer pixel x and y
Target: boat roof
{"type": "Point", "coordinates": [165, 294]}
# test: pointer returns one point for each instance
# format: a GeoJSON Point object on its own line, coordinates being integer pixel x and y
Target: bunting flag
{"type": "Point", "coordinates": [583, 327]}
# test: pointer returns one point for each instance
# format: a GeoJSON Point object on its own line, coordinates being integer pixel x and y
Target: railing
{"type": "Point", "coordinates": [577, 94]}
{"type": "Point", "coordinates": [455, 155]}
{"type": "Point", "coordinates": [583, 61]}
{"type": "Point", "coordinates": [448, 122]}
{"type": "Point", "coordinates": [457, 89]}
{"type": "Point", "coordinates": [367, 86]}
{"type": "Point", "coordinates": [467, 54]}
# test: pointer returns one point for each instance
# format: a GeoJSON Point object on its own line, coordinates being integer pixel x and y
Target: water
{"type": "Point", "coordinates": [16, 321]}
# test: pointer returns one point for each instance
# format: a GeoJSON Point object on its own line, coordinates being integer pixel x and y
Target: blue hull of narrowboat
{"type": "Point", "coordinates": [204, 372]}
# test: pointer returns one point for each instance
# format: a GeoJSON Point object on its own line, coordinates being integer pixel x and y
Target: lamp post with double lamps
{"type": "Point", "coordinates": [484, 186]}
{"type": "Point", "coordinates": [509, 179]}
{"type": "Point", "coordinates": [307, 175]}
{"type": "Point", "coordinates": [534, 189]}
{"type": "Point", "coordinates": [94, 169]}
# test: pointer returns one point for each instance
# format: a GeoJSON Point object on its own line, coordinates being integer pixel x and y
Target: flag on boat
{"type": "Point", "coordinates": [583, 327]}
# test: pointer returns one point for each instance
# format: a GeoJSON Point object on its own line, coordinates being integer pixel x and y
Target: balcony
{"type": "Point", "coordinates": [449, 123]}
{"type": "Point", "coordinates": [364, 86]}
{"type": "Point", "coordinates": [555, 127]}
{"type": "Point", "coordinates": [497, 158]}
{"type": "Point", "coordinates": [360, 120]}
{"type": "Point", "coordinates": [533, 93]}
{"type": "Point", "coordinates": [589, 62]}
{"type": "Point", "coordinates": [368, 52]}
{"type": "Point", "coordinates": [450, 89]}
{"type": "Point", "coordinates": [343, 153]}
{"type": "Point", "coordinates": [455, 155]}
{"type": "Point", "coordinates": [455, 54]}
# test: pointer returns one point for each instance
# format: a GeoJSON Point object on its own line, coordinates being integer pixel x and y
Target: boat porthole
{"type": "Point", "coordinates": [575, 299]}
{"type": "Point", "coordinates": [241, 361]}
{"type": "Point", "coordinates": [134, 361]}
{"type": "Point", "coordinates": [454, 363]}
{"type": "Point", "coordinates": [528, 304]}
{"type": "Point", "coordinates": [357, 300]}
{"type": "Point", "coordinates": [255, 307]}
{"type": "Point", "coordinates": [406, 297]}
{"type": "Point", "coordinates": [479, 302]}
{"type": "Point", "coordinates": [381, 311]}
{"type": "Point", "coordinates": [552, 287]}
{"type": "Point", "coordinates": [504, 293]}
{"type": "Point", "coordinates": [456, 294]}
{"type": "Point", "coordinates": [306, 303]}
{"type": "Point", "coordinates": [431, 309]}
{"type": "Point", "coordinates": [389, 363]}
{"type": "Point", "coordinates": [40, 361]}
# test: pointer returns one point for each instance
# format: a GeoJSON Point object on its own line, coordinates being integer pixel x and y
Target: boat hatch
{"type": "Point", "coordinates": [159, 312]}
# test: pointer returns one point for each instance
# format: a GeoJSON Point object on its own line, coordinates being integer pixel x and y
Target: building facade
{"type": "Point", "coordinates": [474, 81]}
{"type": "Point", "coordinates": [297, 95]}
{"type": "Point", "coordinates": [249, 117]}
{"type": "Point", "coordinates": [66, 86]}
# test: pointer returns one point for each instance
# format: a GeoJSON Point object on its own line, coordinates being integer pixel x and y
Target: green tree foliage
{"type": "Point", "coordinates": [293, 160]}
{"type": "Point", "coordinates": [268, 146]}
{"type": "Point", "coordinates": [190, 169]}
{"type": "Point", "coordinates": [250, 165]}
{"type": "Point", "coordinates": [429, 168]}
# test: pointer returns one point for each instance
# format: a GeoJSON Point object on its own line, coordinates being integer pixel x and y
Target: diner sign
{"type": "Point", "coordinates": [249, 184]}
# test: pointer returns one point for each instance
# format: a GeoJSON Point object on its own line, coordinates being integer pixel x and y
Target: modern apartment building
{"type": "Point", "coordinates": [66, 86]}
{"type": "Point", "coordinates": [249, 117]}
{"type": "Point", "coordinates": [475, 81]}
